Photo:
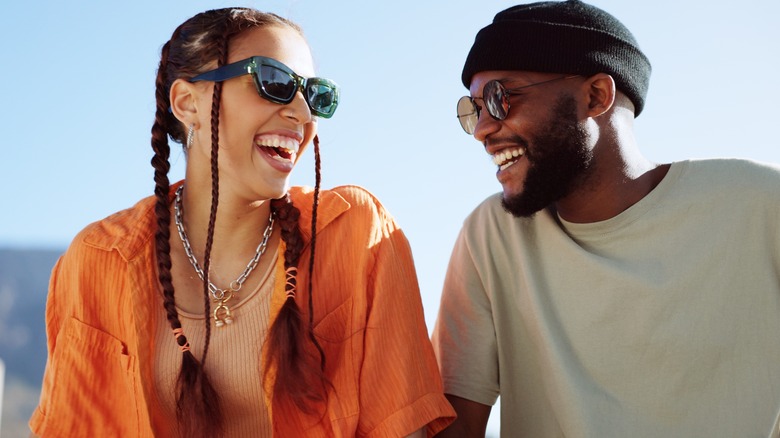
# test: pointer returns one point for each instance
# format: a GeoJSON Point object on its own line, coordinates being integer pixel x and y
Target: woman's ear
{"type": "Point", "coordinates": [184, 102]}
{"type": "Point", "coordinates": [601, 94]}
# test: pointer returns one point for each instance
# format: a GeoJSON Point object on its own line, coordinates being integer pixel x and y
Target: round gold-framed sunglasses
{"type": "Point", "coordinates": [496, 99]}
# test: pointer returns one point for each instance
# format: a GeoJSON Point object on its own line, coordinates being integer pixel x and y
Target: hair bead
{"type": "Point", "coordinates": [179, 333]}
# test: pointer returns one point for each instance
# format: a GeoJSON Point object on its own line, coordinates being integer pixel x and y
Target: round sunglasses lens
{"type": "Point", "coordinates": [467, 114]}
{"type": "Point", "coordinates": [277, 84]}
{"type": "Point", "coordinates": [495, 100]}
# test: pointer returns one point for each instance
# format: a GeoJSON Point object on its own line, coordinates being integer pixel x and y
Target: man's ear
{"type": "Point", "coordinates": [601, 94]}
{"type": "Point", "coordinates": [184, 102]}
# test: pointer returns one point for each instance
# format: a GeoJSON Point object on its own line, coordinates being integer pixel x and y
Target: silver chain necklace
{"type": "Point", "coordinates": [222, 314]}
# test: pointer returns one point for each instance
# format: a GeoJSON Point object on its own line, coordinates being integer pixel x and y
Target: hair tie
{"type": "Point", "coordinates": [291, 272]}
{"type": "Point", "coordinates": [176, 334]}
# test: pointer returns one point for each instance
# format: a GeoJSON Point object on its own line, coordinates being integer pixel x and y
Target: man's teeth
{"type": "Point", "coordinates": [507, 157]}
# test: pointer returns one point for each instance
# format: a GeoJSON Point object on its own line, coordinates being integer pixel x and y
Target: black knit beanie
{"type": "Point", "coordinates": [569, 37]}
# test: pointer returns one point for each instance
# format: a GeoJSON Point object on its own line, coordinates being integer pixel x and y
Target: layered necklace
{"type": "Point", "coordinates": [222, 314]}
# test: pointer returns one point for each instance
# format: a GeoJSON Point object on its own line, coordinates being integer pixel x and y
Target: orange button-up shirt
{"type": "Point", "coordinates": [367, 313]}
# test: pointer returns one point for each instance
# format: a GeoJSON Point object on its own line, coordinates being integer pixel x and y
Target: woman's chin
{"type": "Point", "coordinates": [279, 191]}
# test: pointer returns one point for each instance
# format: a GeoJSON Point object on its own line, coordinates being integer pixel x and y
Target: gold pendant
{"type": "Point", "coordinates": [222, 315]}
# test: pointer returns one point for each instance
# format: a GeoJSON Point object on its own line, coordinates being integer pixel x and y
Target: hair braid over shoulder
{"type": "Point", "coordinates": [300, 378]}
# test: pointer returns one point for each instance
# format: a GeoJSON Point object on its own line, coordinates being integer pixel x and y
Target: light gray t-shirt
{"type": "Point", "coordinates": [663, 321]}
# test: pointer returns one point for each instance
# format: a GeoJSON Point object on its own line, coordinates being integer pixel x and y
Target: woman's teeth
{"type": "Point", "coordinates": [286, 144]}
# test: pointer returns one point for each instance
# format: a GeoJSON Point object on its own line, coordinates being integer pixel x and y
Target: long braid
{"type": "Point", "coordinates": [187, 401]}
{"type": "Point", "coordinates": [298, 378]}
{"type": "Point", "coordinates": [315, 205]}
{"type": "Point", "coordinates": [210, 401]}
{"type": "Point", "coordinates": [215, 102]}
{"type": "Point", "coordinates": [160, 162]}
{"type": "Point", "coordinates": [207, 405]}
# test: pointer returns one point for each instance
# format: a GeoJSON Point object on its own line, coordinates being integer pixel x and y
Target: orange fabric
{"type": "Point", "coordinates": [368, 317]}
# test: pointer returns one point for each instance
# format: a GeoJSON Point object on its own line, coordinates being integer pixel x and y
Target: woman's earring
{"type": "Point", "coordinates": [190, 135]}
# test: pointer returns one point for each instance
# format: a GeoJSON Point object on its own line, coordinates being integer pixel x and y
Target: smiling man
{"type": "Point", "coordinates": [601, 294]}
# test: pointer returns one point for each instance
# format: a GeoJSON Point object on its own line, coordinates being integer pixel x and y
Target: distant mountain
{"type": "Point", "coordinates": [24, 279]}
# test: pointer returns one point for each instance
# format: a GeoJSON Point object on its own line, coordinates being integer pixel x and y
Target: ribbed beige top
{"type": "Point", "coordinates": [233, 362]}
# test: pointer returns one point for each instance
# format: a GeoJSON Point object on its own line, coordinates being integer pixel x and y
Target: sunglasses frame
{"type": "Point", "coordinates": [251, 66]}
{"type": "Point", "coordinates": [466, 118]}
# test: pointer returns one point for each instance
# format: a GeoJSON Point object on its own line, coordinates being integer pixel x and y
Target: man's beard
{"type": "Point", "coordinates": [558, 158]}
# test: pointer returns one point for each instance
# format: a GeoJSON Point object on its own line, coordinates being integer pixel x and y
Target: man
{"type": "Point", "coordinates": [602, 295]}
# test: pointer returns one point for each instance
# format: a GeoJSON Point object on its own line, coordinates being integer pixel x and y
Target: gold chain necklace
{"type": "Point", "coordinates": [222, 314]}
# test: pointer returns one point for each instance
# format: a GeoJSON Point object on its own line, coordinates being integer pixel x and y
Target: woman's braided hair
{"type": "Point", "coordinates": [195, 44]}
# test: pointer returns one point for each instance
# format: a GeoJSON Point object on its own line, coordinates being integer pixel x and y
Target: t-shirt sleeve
{"type": "Point", "coordinates": [401, 390]}
{"type": "Point", "coordinates": [464, 336]}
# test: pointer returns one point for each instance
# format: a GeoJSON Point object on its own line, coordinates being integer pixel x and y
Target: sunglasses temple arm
{"type": "Point", "coordinates": [224, 73]}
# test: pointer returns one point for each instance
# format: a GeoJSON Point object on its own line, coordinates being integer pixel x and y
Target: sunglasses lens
{"type": "Point", "coordinates": [467, 114]}
{"type": "Point", "coordinates": [322, 96]}
{"type": "Point", "coordinates": [280, 85]}
{"type": "Point", "coordinates": [277, 84]}
{"type": "Point", "coordinates": [495, 100]}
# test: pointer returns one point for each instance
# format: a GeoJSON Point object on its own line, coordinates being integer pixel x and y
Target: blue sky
{"type": "Point", "coordinates": [77, 84]}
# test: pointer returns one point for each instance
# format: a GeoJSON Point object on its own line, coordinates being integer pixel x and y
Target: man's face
{"type": "Point", "coordinates": [541, 149]}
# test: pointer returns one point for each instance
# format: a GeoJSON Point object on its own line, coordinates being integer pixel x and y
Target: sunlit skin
{"type": "Point", "coordinates": [249, 176]}
{"type": "Point", "coordinates": [620, 175]}
{"type": "Point", "coordinates": [527, 112]}
{"type": "Point", "coordinates": [246, 172]}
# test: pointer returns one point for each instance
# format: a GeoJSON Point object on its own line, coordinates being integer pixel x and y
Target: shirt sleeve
{"type": "Point", "coordinates": [401, 390]}
{"type": "Point", "coordinates": [464, 336]}
{"type": "Point", "coordinates": [53, 323]}
{"type": "Point", "coordinates": [89, 388]}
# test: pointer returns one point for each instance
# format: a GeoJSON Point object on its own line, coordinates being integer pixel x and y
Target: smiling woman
{"type": "Point", "coordinates": [224, 262]}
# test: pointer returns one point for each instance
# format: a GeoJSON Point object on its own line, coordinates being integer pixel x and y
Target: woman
{"type": "Point", "coordinates": [230, 304]}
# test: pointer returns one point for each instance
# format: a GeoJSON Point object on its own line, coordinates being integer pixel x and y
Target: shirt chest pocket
{"type": "Point", "coordinates": [94, 391]}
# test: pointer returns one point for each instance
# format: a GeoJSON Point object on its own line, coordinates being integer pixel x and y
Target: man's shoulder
{"type": "Point", "coordinates": [490, 219]}
{"type": "Point", "coordinates": [489, 205]}
{"type": "Point", "coordinates": [729, 167]}
{"type": "Point", "coordinates": [492, 209]}
{"type": "Point", "coordinates": [732, 175]}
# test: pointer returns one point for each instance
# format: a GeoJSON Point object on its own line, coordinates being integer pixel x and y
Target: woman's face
{"type": "Point", "coordinates": [252, 165]}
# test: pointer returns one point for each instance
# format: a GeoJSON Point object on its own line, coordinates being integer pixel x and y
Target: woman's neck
{"type": "Point", "coordinates": [238, 230]}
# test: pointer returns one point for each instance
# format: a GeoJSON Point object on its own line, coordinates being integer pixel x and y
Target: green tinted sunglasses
{"type": "Point", "coordinates": [278, 83]}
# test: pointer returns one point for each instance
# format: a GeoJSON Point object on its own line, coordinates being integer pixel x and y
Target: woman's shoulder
{"type": "Point", "coordinates": [350, 204]}
{"type": "Point", "coordinates": [348, 197]}
{"type": "Point", "coordinates": [98, 258]}
{"type": "Point", "coordinates": [352, 194]}
{"type": "Point", "coordinates": [126, 230]}
{"type": "Point", "coordinates": [359, 197]}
